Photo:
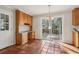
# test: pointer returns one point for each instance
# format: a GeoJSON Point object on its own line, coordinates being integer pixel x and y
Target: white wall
{"type": "Point", "coordinates": [66, 25]}
{"type": "Point", "coordinates": [37, 21]}
{"type": "Point", "coordinates": [7, 38]}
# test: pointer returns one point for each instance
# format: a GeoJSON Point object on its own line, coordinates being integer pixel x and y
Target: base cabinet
{"type": "Point", "coordinates": [76, 39]}
{"type": "Point", "coordinates": [24, 38]}
{"type": "Point", "coordinates": [18, 39]}
{"type": "Point", "coordinates": [31, 37]}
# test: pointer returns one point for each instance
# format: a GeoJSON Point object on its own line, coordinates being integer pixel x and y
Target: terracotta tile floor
{"type": "Point", "coordinates": [36, 47]}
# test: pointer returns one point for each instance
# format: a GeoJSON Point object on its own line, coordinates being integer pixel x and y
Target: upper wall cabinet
{"type": "Point", "coordinates": [24, 18]}
{"type": "Point", "coordinates": [75, 17]}
{"type": "Point", "coordinates": [30, 20]}
{"type": "Point", "coordinates": [21, 19]}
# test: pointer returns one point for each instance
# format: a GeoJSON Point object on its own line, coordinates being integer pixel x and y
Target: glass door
{"type": "Point", "coordinates": [52, 29]}
{"type": "Point", "coordinates": [45, 30]}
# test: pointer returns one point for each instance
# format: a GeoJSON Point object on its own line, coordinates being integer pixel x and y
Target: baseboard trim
{"type": "Point", "coordinates": [7, 47]}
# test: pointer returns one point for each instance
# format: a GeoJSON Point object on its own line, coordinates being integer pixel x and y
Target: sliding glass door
{"type": "Point", "coordinates": [52, 29]}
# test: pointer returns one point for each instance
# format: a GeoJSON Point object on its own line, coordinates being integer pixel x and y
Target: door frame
{"type": "Point", "coordinates": [62, 24]}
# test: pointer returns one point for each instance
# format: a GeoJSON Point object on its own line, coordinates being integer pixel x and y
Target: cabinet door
{"type": "Point", "coordinates": [76, 39]}
{"type": "Point", "coordinates": [18, 35]}
{"type": "Point", "coordinates": [25, 18]}
{"type": "Point", "coordinates": [75, 17]}
{"type": "Point", "coordinates": [30, 20]}
{"type": "Point", "coordinates": [33, 35]}
{"type": "Point", "coordinates": [18, 39]}
{"type": "Point", "coordinates": [73, 35]}
{"type": "Point", "coordinates": [24, 38]}
{"type": "Point", "coordinates": [21, 21]}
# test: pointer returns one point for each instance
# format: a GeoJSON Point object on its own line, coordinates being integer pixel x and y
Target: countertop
{"type": "Point", "coordinates": [26, 32]}
{"type": "Point", "coordinates": [75, 30]}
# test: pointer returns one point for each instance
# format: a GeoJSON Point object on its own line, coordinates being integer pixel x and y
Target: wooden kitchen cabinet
{"type": "Point", "coordinates": [21, 19]}
{"type": "Point", "coordinates": [75, 17]}
{"type": "Point", "coordinates": [25, 18]}
{"type": "Point", "coordinates": [18, 18]}
{"type": "Point", "coordinates": [76, 39]}
{"type": "Point", "coordinates": [30, 20]}
{"type": "Point", "coordinates": [24, 38]}
{"type": "Point", "coordinates": [18, 21]}
{"type": "Point", "coordinates": [18, 39]}
{"type": "Point", "coordinates": [31, 37]}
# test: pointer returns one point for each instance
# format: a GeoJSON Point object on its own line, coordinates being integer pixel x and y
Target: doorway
{"type": "Point", "coordinates": [52, 29]}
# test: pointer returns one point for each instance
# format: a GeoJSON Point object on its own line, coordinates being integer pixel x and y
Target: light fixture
{"type": "Point", "coordinates": [50, 22]}
{"type": "Point", "coordinates": [49, 16]}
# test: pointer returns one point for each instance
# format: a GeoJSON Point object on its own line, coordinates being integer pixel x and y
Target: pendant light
{"type": "Point", "coordinates": [49, 16]}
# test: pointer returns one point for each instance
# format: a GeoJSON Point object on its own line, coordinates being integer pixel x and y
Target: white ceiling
{"type": "Point", "coordinates": [42, 9]}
